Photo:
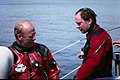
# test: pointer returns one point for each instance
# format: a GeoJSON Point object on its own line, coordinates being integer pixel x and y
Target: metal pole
{"type": "Point", "coordinates": [116, 57]}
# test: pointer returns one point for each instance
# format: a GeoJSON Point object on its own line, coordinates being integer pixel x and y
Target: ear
{"type": "Point", "coordinates": [19, 37]}
{"type": "Point", "coordinates": [90, 21]}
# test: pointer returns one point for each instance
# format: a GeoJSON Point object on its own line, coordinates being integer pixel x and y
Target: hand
{"type": "Point", "coordinates": [81, 55]}
{"type": "Point", "coordinates": [116, 43]}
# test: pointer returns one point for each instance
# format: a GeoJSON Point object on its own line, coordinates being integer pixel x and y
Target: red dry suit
{"type": "Point", "coordinates": [33, 63]}
{"type": "Point", "coordinates": [98, 55]}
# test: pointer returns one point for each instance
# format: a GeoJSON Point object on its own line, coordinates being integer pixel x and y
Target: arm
{"type": "Point", "coordinates": [53, 69]}
{"type": "Point", "coordinates": [93, 61]}
{"type": "Point", "coordinates": [116, 43]}
{"type": "Point", "coordinates": [50, 66]}
{"type": "Point", "coordinates": [6, 62]}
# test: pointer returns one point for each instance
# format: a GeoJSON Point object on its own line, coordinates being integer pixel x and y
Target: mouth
{"type": "Point", "coordinates": [79, 28]}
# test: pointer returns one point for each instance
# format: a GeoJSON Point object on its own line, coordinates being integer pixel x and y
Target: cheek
{"type": "Point", "coordinates": [88, 26]}
{"type": "Point", "coordinates": [25, 40]}
{"type": "Point", "coordinates": [83, 26]}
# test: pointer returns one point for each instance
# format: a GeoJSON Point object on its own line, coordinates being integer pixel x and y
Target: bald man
{"type": "Point", "coordinates": [32, 60]}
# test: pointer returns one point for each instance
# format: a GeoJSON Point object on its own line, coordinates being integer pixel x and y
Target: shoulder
{"type": "Point", "coordinates": [41, 46]}
{"type": "Point", "coordinates": [42, 49]}
{"type": "Point", "coordinates": [99, 39]}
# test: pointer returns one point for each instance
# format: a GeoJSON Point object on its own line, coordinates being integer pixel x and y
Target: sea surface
{"type": "Point", "coordinates": [55, 25]}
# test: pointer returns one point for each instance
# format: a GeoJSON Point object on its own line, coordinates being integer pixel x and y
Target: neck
{"type": "Point", "coordinates": [91, 27]}
{"type": "Point", "coordinates": [21, 48]}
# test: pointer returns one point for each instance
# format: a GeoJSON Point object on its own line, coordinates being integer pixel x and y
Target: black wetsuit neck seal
{"type": "Point", "coordinates": [22, 49]}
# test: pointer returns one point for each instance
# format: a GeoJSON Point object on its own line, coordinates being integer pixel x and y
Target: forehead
{"type": "Point", "coordinates": [78, 17]}
{"type": "Point", "coordinates": [28, 28]}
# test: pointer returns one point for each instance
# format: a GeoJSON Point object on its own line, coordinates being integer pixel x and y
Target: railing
{"type": "Point", "coordinates": [68, 46]}
{"type": "Point", "coordinates": [70, 72]}
{"type": "Point", "coordinates": [117, 63]}
{"type": "Point", "coordinates": [64, 49]}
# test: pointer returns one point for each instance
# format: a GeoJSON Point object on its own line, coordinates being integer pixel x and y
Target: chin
{"type": "Point", "coordinates": [82, 31]}
{"type": "Point", "coordinates": [30, 45]}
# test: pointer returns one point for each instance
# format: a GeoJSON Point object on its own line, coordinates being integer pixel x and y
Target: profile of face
{"type": "Point", "coordinates": [27, 37]}
{"type": "Point", "coordinates": [82, 25]}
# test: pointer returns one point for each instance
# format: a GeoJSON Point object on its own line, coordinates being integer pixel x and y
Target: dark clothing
{"type": "Point", "coordinates": [33, 63]}
{"type": "Point", "coordinates": [98, 53]}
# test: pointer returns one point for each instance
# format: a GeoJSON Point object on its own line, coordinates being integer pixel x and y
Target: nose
{"type": "Point", "coordinates": [34, 38]}
{"type": "Point", "coordinates": [78, 27]}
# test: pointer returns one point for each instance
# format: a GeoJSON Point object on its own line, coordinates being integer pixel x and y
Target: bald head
{"type": "Point", "coordinates": [25, 33]}
{"type": "Point", "coordinates": [21, 26]}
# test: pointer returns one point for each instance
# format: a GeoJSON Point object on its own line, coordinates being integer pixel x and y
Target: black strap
{"type": "Point", "coordinates": [29, 67]}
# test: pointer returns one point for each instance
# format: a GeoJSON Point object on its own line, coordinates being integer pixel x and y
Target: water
{"type": "Point", "coordinates": [55, 26]}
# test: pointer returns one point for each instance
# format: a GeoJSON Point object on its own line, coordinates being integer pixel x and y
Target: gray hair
{"type": "Point", "coordinates": [18, 29]}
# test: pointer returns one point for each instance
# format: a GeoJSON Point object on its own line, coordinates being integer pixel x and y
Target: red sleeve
{"type": "Point", "coordinates": [92, 60]}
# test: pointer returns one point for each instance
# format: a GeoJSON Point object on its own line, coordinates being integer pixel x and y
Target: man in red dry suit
{"type": "Point", "coordinates": [31, 60]}
{"type": "Point", "coordinates": [98, 51]}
